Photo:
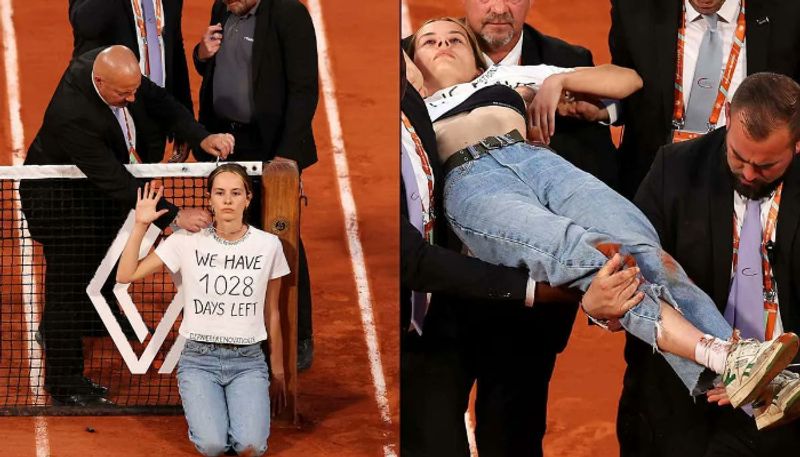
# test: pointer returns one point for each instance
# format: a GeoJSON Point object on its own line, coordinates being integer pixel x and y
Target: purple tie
{"type": "Point", "coordinates": [153, 44]}
{"type": "Point", "coordinates": [419, 300]}
{"type": "Point", "coordinates": [745, 309]}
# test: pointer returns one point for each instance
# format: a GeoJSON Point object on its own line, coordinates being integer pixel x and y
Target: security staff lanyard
{"type": "Point", "coordinates": [678, 116]}
{"type": "Point", "coordinates": [141, 36]}
{"type": "Point", "coordinates": [770, 296]}
{"type": "Point", "coordinates": [428, 214]}
{"type": "Point", "coordinates": [133, 157]}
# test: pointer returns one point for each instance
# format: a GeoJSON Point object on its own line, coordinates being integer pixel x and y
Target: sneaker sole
{"type": "Point", "coordinates": [783, 355]}
{"type": "Point", "coordinates": [787, 412]}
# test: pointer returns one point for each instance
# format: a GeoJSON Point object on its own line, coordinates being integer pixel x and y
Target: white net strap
{"type": "Point", "coordinates": [154, 170]}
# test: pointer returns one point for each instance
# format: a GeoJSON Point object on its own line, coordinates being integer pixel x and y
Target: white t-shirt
{"type": "Point", "coordinates": [512, 76]}
{"type": "Point", "coordinates": [224, 283]}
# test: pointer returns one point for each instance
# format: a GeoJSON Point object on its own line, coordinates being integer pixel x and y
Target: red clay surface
{"type": "Point", "coordinates": [588, 376]}
{"type": "Point", "coordinates": [337, 398]}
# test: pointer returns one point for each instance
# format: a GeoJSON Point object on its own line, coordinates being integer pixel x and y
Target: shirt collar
{"type": "Point", "coordinates": [728, 12]}
{"type": "Point", "coordinates": [251, 12]}
{"type": "Point", "coordinates": [512, 58]}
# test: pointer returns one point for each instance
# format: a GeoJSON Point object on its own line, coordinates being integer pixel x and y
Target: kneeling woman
{"type": "Point", "coordinates": [513, 203]}
{"type": "Point", "coordinates": [228, 272]}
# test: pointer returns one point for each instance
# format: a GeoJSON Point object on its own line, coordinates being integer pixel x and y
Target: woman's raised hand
{"type": "Point", "coordinates": [146, 200]}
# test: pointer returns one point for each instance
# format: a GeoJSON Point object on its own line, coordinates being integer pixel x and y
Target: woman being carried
{"type": "Point", "coordinates": [228, 272]}
{"type": "Point", "coordinates": [514, 203]}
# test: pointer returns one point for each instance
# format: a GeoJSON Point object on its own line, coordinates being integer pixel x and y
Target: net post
{"type": "Point", "coordinates": [281, 212]}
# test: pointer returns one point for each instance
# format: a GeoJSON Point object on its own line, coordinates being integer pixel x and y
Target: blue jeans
{"type": "Point", "coordinates": [225, 395]}
{"type": "Point", "coordinates": [523, 205]}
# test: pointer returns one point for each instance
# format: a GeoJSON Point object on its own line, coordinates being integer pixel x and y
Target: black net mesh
{"type": "Point", "coordinates": [54, 345]}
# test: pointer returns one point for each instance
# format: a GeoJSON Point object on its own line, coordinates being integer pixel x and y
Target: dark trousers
{"type": "Point", "coordinates": [75, 226]}
{"type": "Point", "coordinates": [513, 375]}
{"type": "Point", "coordinates": [436, 375]}
{"type": "Point", "coordinates": [510, 351]}
{"type": "Point", "coordinates": [516, 349]}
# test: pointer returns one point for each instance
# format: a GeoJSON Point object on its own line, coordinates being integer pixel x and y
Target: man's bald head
{"type": "Point", "coordinates": [117, 75]}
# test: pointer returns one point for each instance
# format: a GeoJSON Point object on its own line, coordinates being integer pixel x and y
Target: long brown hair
{"type": "Point", "coordinates": [480, 62]}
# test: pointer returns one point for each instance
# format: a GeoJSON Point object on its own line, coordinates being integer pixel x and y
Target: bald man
{"type": "Point", "coordinates": [91, 122]}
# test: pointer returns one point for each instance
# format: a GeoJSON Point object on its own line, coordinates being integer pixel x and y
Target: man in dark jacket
{"type": "Point", "coordinates": [258, 59]}
{"type": "Point", "coordinates": [152, 30]}
{"type": "Point", "coordinates": [91, 122]}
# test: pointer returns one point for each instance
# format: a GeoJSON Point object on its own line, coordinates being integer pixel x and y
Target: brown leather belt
{"type": "Point", "coordinates": [480, 148]}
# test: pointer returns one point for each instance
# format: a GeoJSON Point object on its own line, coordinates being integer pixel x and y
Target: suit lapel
{"type": "Point", "coordinates": [756, 36]}
{"type": "Point", "coordinates": [531, 52]}
{"type": "Point", "coordinates": [665, 36]}
{"type": "Point", "coordinates": [785, 231]}
{"type": "Point", "coordinates": [263, 17]}
{"type": "Point", "coordinates": [131, 20]}
{"type": "Point", "coordinates": [720, 204]}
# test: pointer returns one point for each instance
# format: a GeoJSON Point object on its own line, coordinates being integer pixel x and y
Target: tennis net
{"type": "Point", "coordinates": [64, 322]}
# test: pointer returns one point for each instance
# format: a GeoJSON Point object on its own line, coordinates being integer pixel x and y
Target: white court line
{"type": "Point", "coordinates": [29, 291]}
{"type": "Point", "coordinates": [350, 219]}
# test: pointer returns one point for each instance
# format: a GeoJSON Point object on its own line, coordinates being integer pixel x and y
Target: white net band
{"type": "Point", "coordinates": [155, 170]}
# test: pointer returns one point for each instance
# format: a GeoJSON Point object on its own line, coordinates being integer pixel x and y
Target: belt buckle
{"type": "Point", "coordinates": [491, 142]}
{"type": "Point", "coordinates": [473, 152]}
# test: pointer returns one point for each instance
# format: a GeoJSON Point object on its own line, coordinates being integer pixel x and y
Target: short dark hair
{"type": "Point", "coordinates": [767, 101]}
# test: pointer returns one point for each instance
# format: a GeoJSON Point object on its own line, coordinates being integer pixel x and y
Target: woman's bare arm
{"type": "Point", "coordinates": [604, 81]}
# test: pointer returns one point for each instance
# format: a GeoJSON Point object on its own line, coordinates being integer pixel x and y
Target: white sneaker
{"type": "Point", "coordinates": [780, 403]}
{"type": "Point", "coordinates": [751, 365]}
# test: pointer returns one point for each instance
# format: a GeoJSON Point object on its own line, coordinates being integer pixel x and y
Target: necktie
{"type": "Point", "coordinates": [127, 133]}
{"type": "Point", "coordinates": [153, 43]}
{"type": "Point", "coordinates": [419, 300]}
{"type": "Point", "coordinates": [705, 82]}
{"type": "Point", "coordinates": [745, 309]}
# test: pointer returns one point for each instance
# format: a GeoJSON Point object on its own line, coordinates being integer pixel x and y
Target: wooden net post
{"type": "Point", "coordinates": [281, 213]}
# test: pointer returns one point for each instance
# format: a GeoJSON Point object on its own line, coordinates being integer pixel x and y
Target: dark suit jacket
{"type": "Point", "coordinates": [80, 129]}
{"type": "Point", "coordinates": [643, 37]}
{"type": "Point", "coordinates": [101, 23]}
{"type": "Point", "coordinates": [445, 272]}
{"type": "Point", "coordinates": [284, 79]}
{"type": "Point", "coordinates": [688, 196]}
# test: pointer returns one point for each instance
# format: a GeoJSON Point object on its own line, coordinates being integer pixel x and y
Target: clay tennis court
{"type": "Point", "coordinates": [588, 375]}
{"type": "Point", "coordinates": [348, 399]}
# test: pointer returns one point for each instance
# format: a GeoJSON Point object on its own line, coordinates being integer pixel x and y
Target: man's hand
{"type": "Point", "coordinates": [218, 144]}
{"type": "Point", "coordinates": [180, 152]}
{"type": "Point", "coordinates": [612, 292]}
{"type": "Point", "coordinates": [718, 395]}
{"type": "Point", "coordinates": [193, 219]}
{"type": "Point", "coordinates": [210, 43]}
{"type": "Point", "coordinates": [590, 109]}
{"type": "Point", "coordinates": [277, 393]}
